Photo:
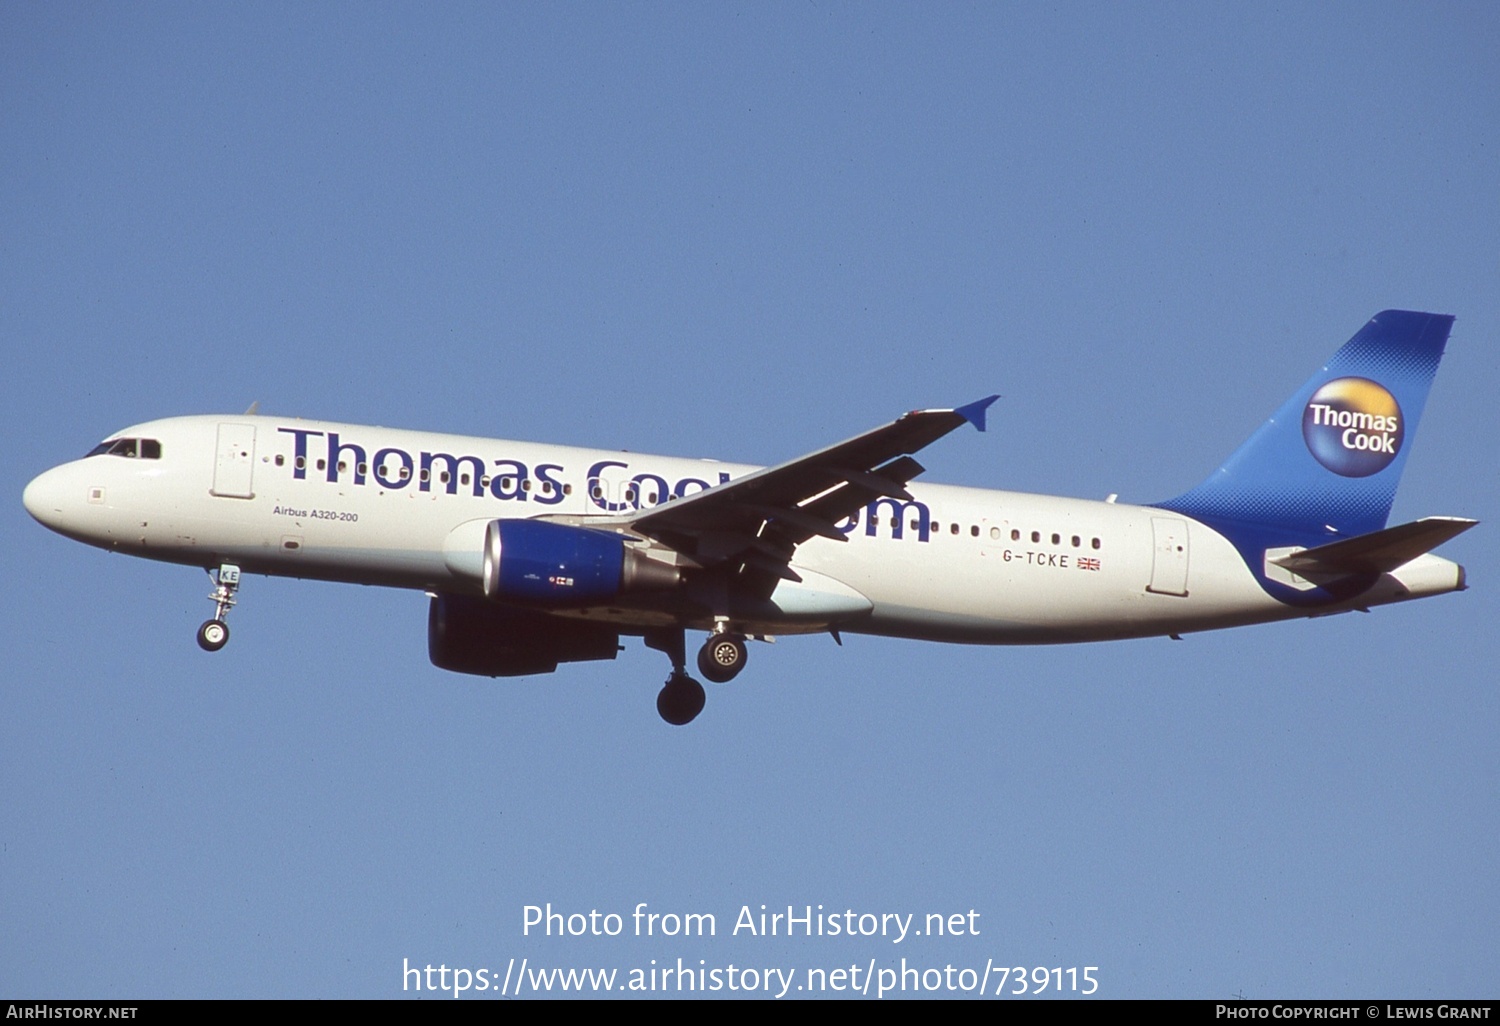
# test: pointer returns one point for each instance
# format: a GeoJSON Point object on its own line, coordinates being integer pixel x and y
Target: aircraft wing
{"type": "Point", "coordinates": [758, 520]}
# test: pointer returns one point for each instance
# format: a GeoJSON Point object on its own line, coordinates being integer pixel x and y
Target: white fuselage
{"type": "Point", "coordinates": [407, 509]}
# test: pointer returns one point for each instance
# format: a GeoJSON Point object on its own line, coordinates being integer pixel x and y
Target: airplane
{"type": "Point", "coordinates": [535, 555]}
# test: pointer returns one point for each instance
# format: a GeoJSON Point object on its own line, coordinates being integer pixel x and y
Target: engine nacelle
{"type": "Point", "coordinates": [470, 635]}
{"type": "Point", "coordinates": [559, 564]}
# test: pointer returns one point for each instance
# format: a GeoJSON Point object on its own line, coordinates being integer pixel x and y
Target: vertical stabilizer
{"type": "Point", "coordinates": [1328, 461]}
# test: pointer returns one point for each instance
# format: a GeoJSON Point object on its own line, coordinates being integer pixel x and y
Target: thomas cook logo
{"type": "Point", "coordinates": [1353, 427]}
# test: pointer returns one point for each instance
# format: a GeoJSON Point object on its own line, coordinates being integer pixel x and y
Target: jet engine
{"type": "Point", "coordinates": [472, 635]}
{"type": "Point", "coordinates": [559, 564]}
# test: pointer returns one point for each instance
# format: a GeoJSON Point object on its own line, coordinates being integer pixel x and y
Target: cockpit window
{"type": "Point", "coordinates": [130, 448]}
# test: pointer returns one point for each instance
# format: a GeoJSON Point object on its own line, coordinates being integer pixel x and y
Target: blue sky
{"type": "Point", "coordinates": [743, 233]}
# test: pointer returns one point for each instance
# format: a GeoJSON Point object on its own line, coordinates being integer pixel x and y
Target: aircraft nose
{"type": "Point", "coordinates": [48, 498]}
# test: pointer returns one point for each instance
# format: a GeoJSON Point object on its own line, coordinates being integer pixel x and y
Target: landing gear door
{"type": "Point", "coordinates": [1169, 560]}
{"type": "Point", "coordinates": [234, 462]}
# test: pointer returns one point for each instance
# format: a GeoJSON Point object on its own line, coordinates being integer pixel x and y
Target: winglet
{"type": "Point", "coordinates": [974, 412]}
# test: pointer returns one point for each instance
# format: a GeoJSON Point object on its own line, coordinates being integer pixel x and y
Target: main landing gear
{"type": "Point", "coordinates": [214, 634]}
{"type": "Point", "coordinates": [680, 700]}
{"type": "Point", "coordinates": [720, 659]}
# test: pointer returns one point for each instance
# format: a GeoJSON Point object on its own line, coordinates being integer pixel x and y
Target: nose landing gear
{"type": "Point", "coordinates": [214, 634]}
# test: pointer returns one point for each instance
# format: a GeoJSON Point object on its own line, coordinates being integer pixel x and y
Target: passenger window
{"type": "Point", "coordinates": [300, 463]}
{"type": "Point", "coordinates": [280, 460]}
{"type": "Point", "coordinates": [1015, 534]}
{"type": "Point", "coordinates": [1096, 543]}
{"type": "Point", "coordinates": [1077, 541]}
{"type": "Point", "coordinates": [322, 464]}
{"type": "Point", "coordinates": [974, 530]}
{"type": "Point", "coordinates": [953, 529]}
{"type": "Point", "coordinates": [1036, 536]}
{"type": "Point", "coordinates": [1055, 539]}
{"type": "Point", "coordinates": [567, 489]}
{"type": "Point", "coordinates": [995, 533]}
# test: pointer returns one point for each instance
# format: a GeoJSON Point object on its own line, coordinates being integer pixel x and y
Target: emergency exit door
{"type": "Point", "coordinates": [1169, 560]}
{"type": "Point", "coordinates": [234, 466]}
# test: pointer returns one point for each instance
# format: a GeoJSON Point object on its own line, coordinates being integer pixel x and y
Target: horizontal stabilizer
{"type": "Point", "coordinates": [1379, 552]}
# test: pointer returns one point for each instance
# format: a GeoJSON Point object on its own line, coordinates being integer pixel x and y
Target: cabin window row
{"type": "Point", "coordinates": [1076, 541]}
{"type": "Point", "coordinates": [935, 527]}
{"type": "Point", "coordinates": [632, 493]}
{"type": "Point", "coordinates": [443, 477]}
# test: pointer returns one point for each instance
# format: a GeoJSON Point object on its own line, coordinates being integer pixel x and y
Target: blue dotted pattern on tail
{"type": "Point", "coordinates": [1275, 491]}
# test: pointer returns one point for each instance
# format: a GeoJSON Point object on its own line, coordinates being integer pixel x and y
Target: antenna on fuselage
{"type": "Point", "coordinates": [251, 410]}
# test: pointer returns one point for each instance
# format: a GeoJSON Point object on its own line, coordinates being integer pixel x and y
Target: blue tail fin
{"type": "Point", "coordinates": [1327, 463]}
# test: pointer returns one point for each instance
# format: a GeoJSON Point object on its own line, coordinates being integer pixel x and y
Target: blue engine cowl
{"type": "Point", "coordinates": [558, 564]}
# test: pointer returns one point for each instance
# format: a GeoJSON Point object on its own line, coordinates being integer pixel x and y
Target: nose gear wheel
{"type": "Point", "coordinates": [214, 634]}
